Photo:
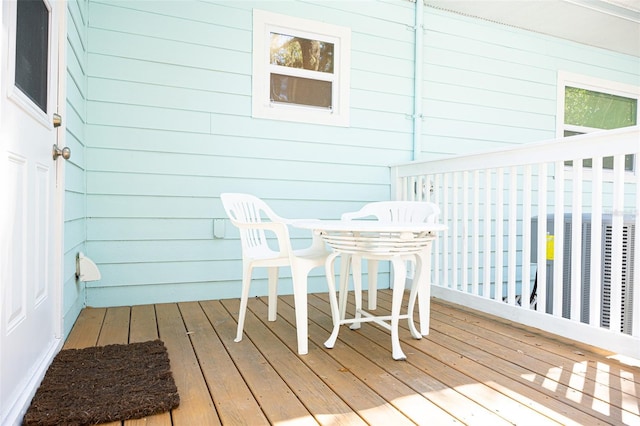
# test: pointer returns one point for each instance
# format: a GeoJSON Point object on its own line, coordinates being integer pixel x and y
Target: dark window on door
{"type": "Point", "coordinates": [32, 50]}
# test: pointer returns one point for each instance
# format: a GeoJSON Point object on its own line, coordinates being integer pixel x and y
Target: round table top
{"type": "Point", "coordinates": [368, 226]}
{"type": "Point", "coordinates": [372, 237]}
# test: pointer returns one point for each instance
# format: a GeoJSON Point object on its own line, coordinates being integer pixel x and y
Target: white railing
{"type": "Point", "coordinates": [490, 256]}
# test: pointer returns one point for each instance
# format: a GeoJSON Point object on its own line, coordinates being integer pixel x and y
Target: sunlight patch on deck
{"type": "Point", "coordinates": [577, 381]}
{"type": "Point", "coordinates": [552, 379]}
{"type": "Point", "coordinates": [601, 396]}
{"type": "Point", "coordinates": [633, 362]}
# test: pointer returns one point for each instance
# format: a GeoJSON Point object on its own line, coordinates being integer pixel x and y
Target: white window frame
{"type": "Point", "coordinates": [265, 23]}
{"type": "Point", "coordinates": [596, 85]}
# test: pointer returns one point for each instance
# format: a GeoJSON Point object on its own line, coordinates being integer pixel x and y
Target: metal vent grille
{"type": "Point", "coordinates": [626, 298]}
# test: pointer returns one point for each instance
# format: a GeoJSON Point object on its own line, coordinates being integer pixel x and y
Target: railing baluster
{"type": "Point", "coordinates": [576, 241]}
{"type": "Point", "coordinates": [616, 245]}
{"type": "Point", "coordinates": [512, 236]}
{"type": "Point", "coordinates": [455, 231]}
{"type": "Point", "coordinates": [635, 302]}
{"type": "Point", "coordinates": [558, 239]}
{"type": "Point", "coordinates": [541, 273]}
{"type": "Point", "coordinates": [499, 231]}
{"type": "Point", "coordinates": [486, 283]}
{"type": "Point", "coordinates": [595, 297]}
{"type": "Point", "coordinates": [526, 237]}
{"type": "Point", "coordinates": [475, 230]}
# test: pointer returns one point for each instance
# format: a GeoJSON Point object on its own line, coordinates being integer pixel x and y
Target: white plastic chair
{"type": "Point", "coordinates": [253, 217]}
{"type": "Point", "coordinates": [388, 211]}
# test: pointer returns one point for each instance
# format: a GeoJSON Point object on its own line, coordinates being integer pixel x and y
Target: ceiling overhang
{"type": "Point", "coordinates": [608, 24]}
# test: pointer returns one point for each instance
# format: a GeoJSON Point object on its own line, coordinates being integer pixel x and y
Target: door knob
{"type": "Point", "coordinates": [64, 152]}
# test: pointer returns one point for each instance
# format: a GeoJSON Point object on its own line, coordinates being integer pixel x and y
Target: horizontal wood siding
{"type": "Point", "coordinates": [74, 120]}
{"type": "Point", "coordinates": [488, 86]}
{"type": "Point", "coordinates": [169, 127]}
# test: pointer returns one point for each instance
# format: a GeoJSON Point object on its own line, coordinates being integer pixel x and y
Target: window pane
{"type": "Point", "coordinates": [298, 52]}
{"type": "Point", "coordinates": [32, 50]}
{"type": "Point", "coordinates": [599, 110]}
{"type": "Point", "coordinates": [301, 91]}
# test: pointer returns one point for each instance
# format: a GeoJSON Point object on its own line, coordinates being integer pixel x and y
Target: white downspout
{"type": "Point", "coordinates": [417, 81]}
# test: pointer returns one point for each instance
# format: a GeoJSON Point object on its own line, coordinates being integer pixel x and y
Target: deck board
{"type": "Point", "coordinates": [467, 399]}
{"type": "Point", "coordinates": [143, 327]}
{"type": "Point", "coordinates": [567, 374]}
{"type": "Point", "coordinates": [472, 368]}
{"type": "Point", "coordinates": [196, 406]}
{"type": "Point", "coordinates": [300, 374]}
{"type": "Point", "coordinates": [224, 380]}
{"type": "Point", "coordinates": [357, 396]}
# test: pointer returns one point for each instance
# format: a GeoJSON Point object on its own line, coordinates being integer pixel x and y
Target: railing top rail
{"type": "Point", "coordinates": [599, 144]}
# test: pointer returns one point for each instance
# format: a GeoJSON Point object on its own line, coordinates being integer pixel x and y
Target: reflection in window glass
{"type": "Point", "coordinates": [599, 110]}
{"type": "Point", "coordinates": [301, 91]}
{"type": "Point", "coordinates": [32, 50]}
{"type": "Point", "coordinates": [298, 52]}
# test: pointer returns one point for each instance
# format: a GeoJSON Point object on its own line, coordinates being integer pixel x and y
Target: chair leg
{"type": "Point", "coordinates": [246, 282]}
{"type": "Point", "coordinates": [372, 282]}
{"type": "Point", "coordinates": [299, 278]}
{"type": "Point", "coordinates": [273, 293]}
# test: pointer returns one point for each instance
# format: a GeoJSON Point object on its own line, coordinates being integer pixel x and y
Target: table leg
{"type": "Point", "coordinates": [345, 265]}
{"type": "Point", "coordinates": [333, 301]}
{"type": "Point", "coordinates": [372, 283]}
{"type": "Point", "coordinates": [400, 274]}
{"type": "Point", "coordinates": [424, 289]}
{"type": "Point", "coordinates": [356, 267]}
{"type": "Point", "coordinates": [415, 288]}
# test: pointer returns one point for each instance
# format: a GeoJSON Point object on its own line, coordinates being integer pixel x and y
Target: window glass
{"type": "Point", "coordinates": [299, 52]}
{"type": "Point", "coordinates": [301, 91]}
{"type": "Point", "coordinates": [598, 110]}
{"type": "Point", "coordinates": [32, 50]}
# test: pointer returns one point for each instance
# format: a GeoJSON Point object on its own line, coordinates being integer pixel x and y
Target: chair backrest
{"type": "Point", "coordinates": [397, 211]}
{"type": "Point", "coordinates": [252, 216]}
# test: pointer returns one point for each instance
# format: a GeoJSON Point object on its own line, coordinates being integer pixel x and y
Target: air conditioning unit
{"type": "Point", "coordinates": [628, 255]}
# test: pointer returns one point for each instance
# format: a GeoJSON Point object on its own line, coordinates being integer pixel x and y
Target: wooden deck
{"type": "Point", "coordinates": [471, 369]}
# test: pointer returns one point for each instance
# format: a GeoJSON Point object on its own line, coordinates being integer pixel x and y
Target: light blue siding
{"type": "Point", "coordinates": [73, 298]}
{"type": "Point", "coordinates": [488, 85]}
{"type": "Point", "coordinates": [159, 106]}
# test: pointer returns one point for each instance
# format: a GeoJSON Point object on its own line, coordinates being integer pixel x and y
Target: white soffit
{"type": "Point", "coordinates": [609, 24]}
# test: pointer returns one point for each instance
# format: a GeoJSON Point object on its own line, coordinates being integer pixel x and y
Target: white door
{"type": "Point", "coordinates": [30, 207]}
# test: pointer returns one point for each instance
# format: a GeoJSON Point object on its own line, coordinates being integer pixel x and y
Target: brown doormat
{"type": "Point", "coordinates": [103, 384]}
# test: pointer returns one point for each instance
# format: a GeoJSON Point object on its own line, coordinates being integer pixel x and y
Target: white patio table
{"type": "Point", "coordinates": [378, 240]}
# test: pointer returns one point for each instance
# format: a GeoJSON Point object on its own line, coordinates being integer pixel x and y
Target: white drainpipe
{"type": "Point", "coordinates": [417, 83]}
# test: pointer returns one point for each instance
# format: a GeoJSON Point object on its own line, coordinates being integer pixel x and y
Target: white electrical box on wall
{"type": "Point", "coordinates": [218, 228]}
